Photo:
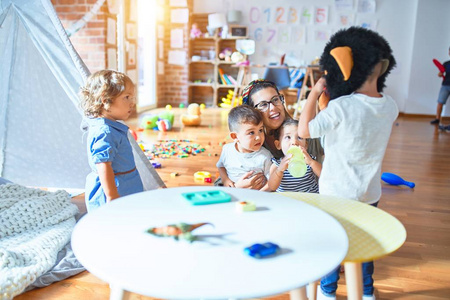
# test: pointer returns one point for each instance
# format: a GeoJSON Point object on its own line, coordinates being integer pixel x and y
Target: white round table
{"type": "Point", "coordinates": [112, 243]}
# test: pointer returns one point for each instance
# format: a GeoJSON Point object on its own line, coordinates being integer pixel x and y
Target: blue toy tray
{"type": "Point", "coordinates": [206, 197]}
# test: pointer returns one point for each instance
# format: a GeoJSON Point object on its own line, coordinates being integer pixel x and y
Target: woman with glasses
{"type": "Point", "coordinates": [265, 97]}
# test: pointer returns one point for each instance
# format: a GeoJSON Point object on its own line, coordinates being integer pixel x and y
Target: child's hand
{"type": "Point", "coordinates": [228, 183]}
{"type": "Point", "coordinates": [308, 159]}
{"type": "Point", "coordinates": [284, 163]}
{"type": "Point", "coordinates": [440, 74]}
{"type": "Point", "coordinates": [251, 180]}
{"type": "Point", "coordinates": [320, 85]}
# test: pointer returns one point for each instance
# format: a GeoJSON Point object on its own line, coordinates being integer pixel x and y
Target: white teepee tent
{"type": "Point", "coordinates": [41, 141]}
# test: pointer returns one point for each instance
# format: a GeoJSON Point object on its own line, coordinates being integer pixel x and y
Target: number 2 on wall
{"type": "Point", "coordinates": [281, 17]}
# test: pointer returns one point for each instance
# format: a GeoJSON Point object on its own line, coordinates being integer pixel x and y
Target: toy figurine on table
{"type": "Point", "coordinates": [178, 231]}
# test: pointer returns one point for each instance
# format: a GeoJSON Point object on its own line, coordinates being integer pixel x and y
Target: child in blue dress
{"type": "Point", "coordinates": [280, 179]}
{"type": "Point", "coordinates": [107, 97]}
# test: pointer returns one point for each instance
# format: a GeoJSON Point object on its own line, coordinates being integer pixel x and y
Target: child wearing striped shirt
{"type": "Point", "coordinates": [280, 179]}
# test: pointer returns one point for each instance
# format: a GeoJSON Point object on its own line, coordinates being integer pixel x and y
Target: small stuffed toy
{"type": "Point", "coordinates": [195, 31]}
{"type": "Point", "coordinates": [350, 57]}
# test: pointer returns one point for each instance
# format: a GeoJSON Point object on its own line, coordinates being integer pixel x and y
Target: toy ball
{"type": "Point", "coordinates": [181, 105]}
{"type": "Point", "coordinates": [202, 106]}
{"type": "Point", "coordinates": [167, 115]}
{"type": "Point", "coordinates": [237, 57]}
{"type": "Point", "coordinates": [168, 107]}
{"type": "Point", "coordinates": [164, 125]}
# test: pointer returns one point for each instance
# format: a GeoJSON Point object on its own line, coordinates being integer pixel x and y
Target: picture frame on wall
{"type": "Point", "coordinates": [237, 31]}
{"type": "Point", "coordinates": [131, 61]}
{"type": "Point", "coordinates": [111, 58]}
{"type": "Point", "coordinates": [131, 31]}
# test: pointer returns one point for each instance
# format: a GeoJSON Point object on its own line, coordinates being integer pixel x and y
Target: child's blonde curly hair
{"type": "Point", "coordinates": [100, 90]}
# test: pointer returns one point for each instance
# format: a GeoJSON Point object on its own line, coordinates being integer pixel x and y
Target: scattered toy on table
{"type": "Point", "coordinates": [396, 180]}
{"type": "Point", "coordinates": [178, 231]}
{"type": "Point", "coordinates": [201, 176]}
{"type": "Point", "coordinates": [202, 107]}
{"type": "Point", "coordinates": [207, 197]}
{"type": "Point", "coordinates": [195, 31]}
{"type": "Point", "coordinates": [242, 206]}
{"type": "Point", "coordinates": [181, 105]}
{"type": "Point", "coordinates": [174, 174]}
{"type": "Point", "coordinates": [168, 107]}
{"type": "Point", "coordinates": [192, 118]}
{"type": "Point", "coordinates": [262, 250]}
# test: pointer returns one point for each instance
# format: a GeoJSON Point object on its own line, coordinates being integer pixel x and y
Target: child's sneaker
{"type": "Point", "coordinates": [434, 122]}
{"type": "Point", "coordinates": [371, 297]}
{"type": "Point", "coordinates": [444, 128]}
{"type": "Point", "coordinates": [322, 296]}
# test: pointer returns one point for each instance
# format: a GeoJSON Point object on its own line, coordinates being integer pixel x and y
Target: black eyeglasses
{"type": "Point", "coordinates": [264, 105]}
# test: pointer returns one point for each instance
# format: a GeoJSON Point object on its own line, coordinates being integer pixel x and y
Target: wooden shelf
{"type": "Point", "coordinates": [208, 69]}
{"type": "Point", "coordinates": [205, 84]}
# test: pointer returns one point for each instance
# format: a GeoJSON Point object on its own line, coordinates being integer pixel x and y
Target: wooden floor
{"type": "Point", "coordinates": [417, 151]}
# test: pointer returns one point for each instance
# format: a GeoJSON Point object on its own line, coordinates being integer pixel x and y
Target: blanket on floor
{"type": "Point", "coordinates": [34, 226]}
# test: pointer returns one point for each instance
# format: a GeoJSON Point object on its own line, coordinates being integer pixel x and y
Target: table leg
{"type": "Point", "coordinates": [298, 294]}
{"type": "Point", "coordinates": [312, 288]}
{"type": "Point", "coordinates": [353, 278]}
{"type": "Point", "coordinates": [117, 293]}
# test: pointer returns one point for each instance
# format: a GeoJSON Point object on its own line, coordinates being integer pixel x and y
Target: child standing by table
{"type": "Point", "coordinates": [245, 163]}
{"type": "Point", "coordinates": [107, 97]}
{"type": "Point", "coordinates": [280, 179]}
{"type": "Point", "coordinates": [355, 126]}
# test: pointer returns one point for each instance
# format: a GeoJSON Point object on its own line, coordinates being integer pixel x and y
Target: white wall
{"type": "Point", "coordinates": [417, 31]}
{"type": "Point", "coordinates": [432, 40]}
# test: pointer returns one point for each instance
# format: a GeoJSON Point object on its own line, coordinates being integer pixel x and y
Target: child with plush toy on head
{"type": "Point", "coordinates": [355, 125]}
{"type": "Point", "coordinates": [107, 97]}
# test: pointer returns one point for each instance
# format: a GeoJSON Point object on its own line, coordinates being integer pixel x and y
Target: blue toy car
{"type": "Point", "coordinates": [262, 250]}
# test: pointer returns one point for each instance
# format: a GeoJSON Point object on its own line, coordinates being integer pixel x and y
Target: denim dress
{"type": "Point", "coordinates": [108, 142]}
